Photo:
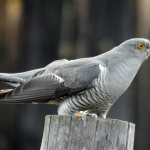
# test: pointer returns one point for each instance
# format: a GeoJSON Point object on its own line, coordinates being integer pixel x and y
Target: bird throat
{"type": "Point", "coordinates": [121, 76]}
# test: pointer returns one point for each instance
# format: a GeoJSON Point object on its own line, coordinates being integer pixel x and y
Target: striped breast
{"type": "Point", "coordinates": [96, 98]}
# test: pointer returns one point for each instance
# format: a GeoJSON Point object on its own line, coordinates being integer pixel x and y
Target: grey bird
{"type": "Point", "coordinates": [83, 86]}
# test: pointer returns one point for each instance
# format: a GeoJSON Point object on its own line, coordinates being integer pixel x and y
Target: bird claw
{"type": "Point", "coordinates": [85, 113]}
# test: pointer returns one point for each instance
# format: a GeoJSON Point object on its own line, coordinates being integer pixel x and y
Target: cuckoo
{"type": "Point", "coordinates": [82, 86]}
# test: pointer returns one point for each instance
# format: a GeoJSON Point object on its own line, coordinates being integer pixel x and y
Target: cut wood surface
{"type": "Point", "coordinates": [86, 133]}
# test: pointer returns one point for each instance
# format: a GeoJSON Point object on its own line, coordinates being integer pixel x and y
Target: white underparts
{"type": "Point", "coordinates": [94, 99]}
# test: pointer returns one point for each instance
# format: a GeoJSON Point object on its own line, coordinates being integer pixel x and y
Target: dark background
{"type": "Point", "coordinates": [35, 32]}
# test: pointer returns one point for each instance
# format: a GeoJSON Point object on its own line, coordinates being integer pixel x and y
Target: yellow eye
{"type": "Point", "coordinates": [140, 46]}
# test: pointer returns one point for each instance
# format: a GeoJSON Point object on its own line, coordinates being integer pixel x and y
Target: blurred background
{"type": "Point", "coordinates": [35, 32]}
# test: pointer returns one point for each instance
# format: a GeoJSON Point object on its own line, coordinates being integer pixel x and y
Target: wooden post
{"type": "Point", "coordinates": [88, 133]}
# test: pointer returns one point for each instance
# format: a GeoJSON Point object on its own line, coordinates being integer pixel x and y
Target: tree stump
{"type": "Point", "coordinates": [86, 133]}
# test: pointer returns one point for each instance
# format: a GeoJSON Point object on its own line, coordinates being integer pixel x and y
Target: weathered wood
{"type": "Point", "coordinates": [88, 133]}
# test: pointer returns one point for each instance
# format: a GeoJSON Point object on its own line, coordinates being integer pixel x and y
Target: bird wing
{"type": "Point", "coordinates": [50, 86]}
{"type": "Point", "coordinates": [38, 88]}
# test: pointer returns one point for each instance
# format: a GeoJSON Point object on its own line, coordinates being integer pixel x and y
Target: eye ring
{"type": "Point", "coordinates": [140, 46]}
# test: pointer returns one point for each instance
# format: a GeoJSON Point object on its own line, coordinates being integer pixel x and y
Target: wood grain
{"type": "Point", "coordinates": [88, 133]}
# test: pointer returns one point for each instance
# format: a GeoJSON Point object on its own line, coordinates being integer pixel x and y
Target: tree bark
{"type": "Point", "coordinates": [86, 133]}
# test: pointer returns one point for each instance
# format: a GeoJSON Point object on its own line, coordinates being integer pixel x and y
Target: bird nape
{"type": "Point", "coordinates": [86, 86]}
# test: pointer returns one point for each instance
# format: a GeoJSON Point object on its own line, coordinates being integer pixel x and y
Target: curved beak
{"type": "Point", "coordinates": [147, 53]}
{"type": "Point", "coordinates": [148, 49]}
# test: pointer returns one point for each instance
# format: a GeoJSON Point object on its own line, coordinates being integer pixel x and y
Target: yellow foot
{"type": "Point", "coordinates": [78, 114]}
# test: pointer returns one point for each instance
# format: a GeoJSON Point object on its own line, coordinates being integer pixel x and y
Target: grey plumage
{"type": "Point", "coordinates": [89, 85]}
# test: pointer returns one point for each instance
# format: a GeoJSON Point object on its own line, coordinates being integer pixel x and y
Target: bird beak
{"type": "Point", "coordinates": [148, 49]}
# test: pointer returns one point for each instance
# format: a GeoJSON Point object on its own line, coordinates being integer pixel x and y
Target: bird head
{"type": "Point", "coordinates": [138, 47]}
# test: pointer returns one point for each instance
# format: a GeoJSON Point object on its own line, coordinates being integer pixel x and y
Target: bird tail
{"type": "Point", "coordinates": [15, 79]}
{"type": "Point", "coordinates": [9, 81]}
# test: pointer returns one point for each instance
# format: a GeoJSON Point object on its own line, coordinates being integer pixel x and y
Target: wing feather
{"type": "Point", "coordinates": [50, 86]}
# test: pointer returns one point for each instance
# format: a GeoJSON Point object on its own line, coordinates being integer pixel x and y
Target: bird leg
{"type": "Point", "coordinates": [85, 113]}
{"type": "Point", "coordinates": [102, 114]}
